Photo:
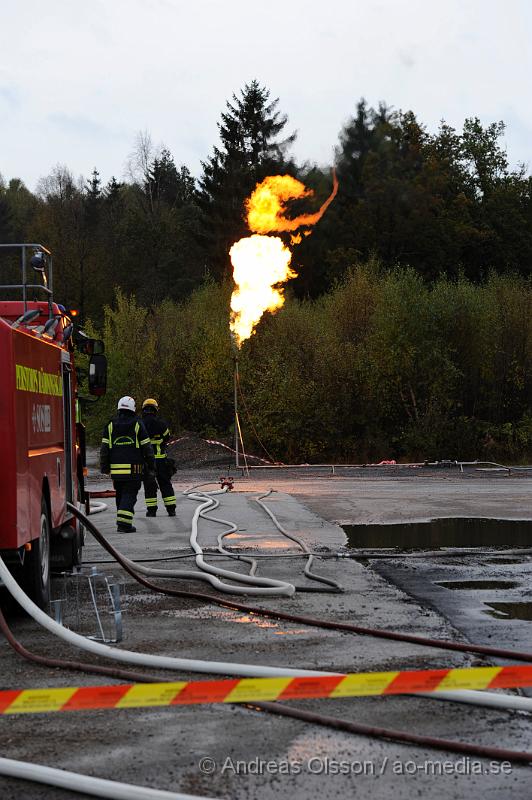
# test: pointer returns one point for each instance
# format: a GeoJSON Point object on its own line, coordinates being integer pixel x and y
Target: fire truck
{"type": "Point", "coordinates": [42, 442]}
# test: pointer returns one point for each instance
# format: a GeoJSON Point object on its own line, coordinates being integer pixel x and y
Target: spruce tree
{"type": "Point", "coordinates": [250, 150]}
{"type": "Point", "coordinates": [5, 221]}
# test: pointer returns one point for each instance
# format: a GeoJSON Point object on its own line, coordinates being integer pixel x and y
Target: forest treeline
{"type": "Point", "coordinates": [406, 332]}
{"type": "Point", "coordinates": [444, 203]}
{"type": "Point", "coordinates": [384, 365]}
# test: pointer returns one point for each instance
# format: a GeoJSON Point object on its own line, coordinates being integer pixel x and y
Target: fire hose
{"type": "Point", "coordinates": [306, 550]}
{"type": "Point", "coordinates": [472, 697]}
{"type": "Point", "coordinates": [340, 724]}
{"type": "Point", "coordinates": [128, 656]}
{"type": "Point", "coordinates": [254, 585]}
{"type": "Point", "coordinates": [464, 696]}
{"type": "Point", "coordinates": [279, 709]}
{"type": "Point", "coordinates": [212, 574]}
{"type": "Point", "coordinates": [76, 782]}
{"type": "Point", "coordinates": [231, 528]}
{"type": "Point", "coordinates": [382, 633]}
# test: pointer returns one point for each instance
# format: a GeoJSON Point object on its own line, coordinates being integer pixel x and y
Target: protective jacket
{"type": "Point", "coordinates": [126, 448]}
{"type": "Point", "coordinates": [159, 434]}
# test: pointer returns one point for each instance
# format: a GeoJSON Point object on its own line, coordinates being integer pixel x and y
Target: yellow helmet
{"type": "Point", "coordinates": [150, 402]}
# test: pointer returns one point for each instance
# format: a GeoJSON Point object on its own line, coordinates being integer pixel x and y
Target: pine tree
{"type": "Point", "coordinates": [5, 220]}
{"type": "Point", "coordinates": [250, 149]}
{"type": "Point", "coordinates": [92, 201]}
{"type": "Point", "coordinates": [112, 190]}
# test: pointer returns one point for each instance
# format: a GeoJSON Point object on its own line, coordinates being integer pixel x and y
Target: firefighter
{"type": "Point", "coordinates": [125, 454]}
{"type": "Point", "coordinates": [159, 435]}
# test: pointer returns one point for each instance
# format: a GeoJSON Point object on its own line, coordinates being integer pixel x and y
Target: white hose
{"type": "Point", "coordinates": [221, 667]}
{"type": "Point", "coordinates": [476, 698]}
{"type": "Point", "coordinates": [98, 787]}
{"type": "Point", "coordinates": [254, 585]}
{"type": "Point", "coordinates": [202, 576]}
{"type": "Point", "coordinates": [141, 659]}
{"type": "Point", "coordinates": [311, 575]}
{"type": "Point", "coordinates": [260, 586]}
{"type": "Point", "coordinates": [97, 507]}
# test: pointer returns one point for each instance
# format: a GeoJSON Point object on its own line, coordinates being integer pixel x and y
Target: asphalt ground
{"type": "Point", "coordinates": [256, 755]}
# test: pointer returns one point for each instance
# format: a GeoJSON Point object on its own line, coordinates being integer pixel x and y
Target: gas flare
{"type": "Point", "coordinates": [266, 207]}
{"type": "Point", "coordinates": [261, 263]}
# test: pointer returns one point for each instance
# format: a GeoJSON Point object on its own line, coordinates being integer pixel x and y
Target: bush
{"type": "Point", "coordinates": [384, 365]}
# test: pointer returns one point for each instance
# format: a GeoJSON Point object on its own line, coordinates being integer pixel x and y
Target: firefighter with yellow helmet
{"type": "Point", "coordinates": [159, 434]}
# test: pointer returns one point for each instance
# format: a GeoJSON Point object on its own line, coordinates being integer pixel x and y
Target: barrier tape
{"type": "Point", "coordinates": [245, 690]}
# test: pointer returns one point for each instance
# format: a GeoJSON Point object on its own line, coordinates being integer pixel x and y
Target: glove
{"type": "Point", "coordinates": [105, 470]}
{"type": "Point", "coordinates": [171, 465]}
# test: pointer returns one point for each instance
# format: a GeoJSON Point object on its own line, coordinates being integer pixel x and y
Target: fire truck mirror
{"type": "Point", "coordinates": [85, 344]}
{"type": "Point", "coordinates": [98, 374]}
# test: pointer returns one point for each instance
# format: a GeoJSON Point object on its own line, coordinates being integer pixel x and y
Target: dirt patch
{"type": "Point", "coordinates": [191, 451]}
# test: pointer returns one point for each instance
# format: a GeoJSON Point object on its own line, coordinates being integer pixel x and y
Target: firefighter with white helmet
{"type": "Point", "coordinates": [159, 434]}
{"type": "Point", "coordinates": [125, 454]}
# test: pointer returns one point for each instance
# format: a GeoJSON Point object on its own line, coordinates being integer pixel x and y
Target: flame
{"type": "Point", "coordinates": [266, 207]}
{"type": "Point", "coordinates": [260, 262]}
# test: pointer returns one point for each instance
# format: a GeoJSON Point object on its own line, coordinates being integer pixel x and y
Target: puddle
{"type": "Point", "coordinates": [510, 610]}
{"type": "Point", "coordinates": [478, 584]}
{"type": "Point", "coordinates": [456, 532]}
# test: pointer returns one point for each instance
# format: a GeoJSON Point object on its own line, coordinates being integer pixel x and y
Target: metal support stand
{"type": "Point", "coordinates": [84, 593]}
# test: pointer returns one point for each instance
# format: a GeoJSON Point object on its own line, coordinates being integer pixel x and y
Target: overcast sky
{"type": "Point", "coordinates": [79, 78]}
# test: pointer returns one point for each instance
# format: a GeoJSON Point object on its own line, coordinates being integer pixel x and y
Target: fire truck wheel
{"type": "Point", "coordinates": [38, 563]}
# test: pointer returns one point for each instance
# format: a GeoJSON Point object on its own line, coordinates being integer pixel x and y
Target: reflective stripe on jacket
{"type": "Point", "coordinates": [125, 447]}
{"type": "Point", "coordinates": [158, 432]}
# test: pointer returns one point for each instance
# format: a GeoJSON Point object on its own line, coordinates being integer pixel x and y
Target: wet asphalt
{"type": "Point", "coordinates": [256, 755]}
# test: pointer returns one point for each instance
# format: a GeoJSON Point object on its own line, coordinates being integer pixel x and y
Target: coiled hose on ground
{"type": "Point", "coordinates": [225, 602]}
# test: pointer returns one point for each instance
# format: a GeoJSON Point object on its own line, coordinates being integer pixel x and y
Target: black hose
{"type": "Point", "coordinates": [394, 735]}
{"type": "Point", "coordinates": [276, 708]}
{"type": "Point", "coordinates": [78, 666]}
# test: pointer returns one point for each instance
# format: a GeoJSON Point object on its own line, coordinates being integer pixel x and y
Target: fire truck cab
{"type": "Point", "coordinates": [42, 443]}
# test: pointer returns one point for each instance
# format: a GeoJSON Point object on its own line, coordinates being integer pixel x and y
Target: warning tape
{"type": "Point", "coordinates": [246, 690]}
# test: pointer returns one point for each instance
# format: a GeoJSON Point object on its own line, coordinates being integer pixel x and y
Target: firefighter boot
{"type": "Point", "coordinates": [121, 528]}
{"type": "Point", "coordinates": [151, 512]}
{"type": "Point", "coordinates": [171, 511]}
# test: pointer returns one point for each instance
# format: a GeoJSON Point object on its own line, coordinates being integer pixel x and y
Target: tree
{"type": "Point", "coordinates": [160, 225]}
{"type": "Point", "coordinates": [250, 150]}
{"type": "Point", "coordinates": [165, 183]}
{"type": "Point", "coordinates": [22, 208]}
{"type": "Point", "coordinates": [444, 203]}
{"type": "Point", "coordinates": [5, 215]}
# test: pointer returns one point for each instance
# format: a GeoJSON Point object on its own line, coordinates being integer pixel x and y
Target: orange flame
{"type": "Point", "coordinates": [261, 263]}
{"type": "Point", "coordinates": [266, 207]}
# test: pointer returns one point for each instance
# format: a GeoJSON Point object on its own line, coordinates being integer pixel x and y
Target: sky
{"type": "Point", "coordinates": [80, 78]}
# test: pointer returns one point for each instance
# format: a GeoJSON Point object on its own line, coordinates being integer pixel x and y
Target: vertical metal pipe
{"type": "Point", "coordinates": [50, 285]}
{"type": "Point", "coordinates": [235, 381]}
{"type": "Point", "coordinates": [24, 297]}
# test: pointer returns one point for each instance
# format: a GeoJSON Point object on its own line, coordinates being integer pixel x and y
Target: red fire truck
{"type": "Point", "coordinates": [42, 443]}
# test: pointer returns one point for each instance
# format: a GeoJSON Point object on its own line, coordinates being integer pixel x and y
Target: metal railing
{"type": "Point", "coordinates": [46, 287]}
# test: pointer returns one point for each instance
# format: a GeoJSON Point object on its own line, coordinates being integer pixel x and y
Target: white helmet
{"type": "Point", "coordinates": [126, 403]}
